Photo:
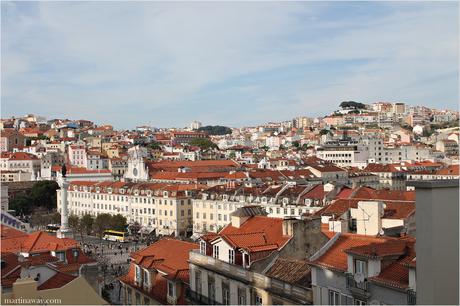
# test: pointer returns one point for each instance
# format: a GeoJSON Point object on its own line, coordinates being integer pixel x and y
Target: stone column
{"type": "Point", "coordinates": [64, 231]}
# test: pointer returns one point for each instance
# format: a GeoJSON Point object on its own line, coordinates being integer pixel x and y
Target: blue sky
{"type": "Point", "coordinates": [232, 63]}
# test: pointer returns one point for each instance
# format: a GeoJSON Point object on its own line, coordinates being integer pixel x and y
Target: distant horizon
{"type": "Point", "coordinates": [211, 124]}
{"type": "Point", "coordinates": [233, 64]}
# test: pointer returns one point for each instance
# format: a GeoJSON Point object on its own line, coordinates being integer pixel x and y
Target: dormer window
{"type": "Point", "coordinates": [60, 256]}
{"type": "Point", "coordinates": [146, 278]}
{"type": "Point", "coordinates": [216, 251]}
{"type": "Point", "coordinates": [264, 199]}
{"type": "Point", "coordinates": [285, 201]}
{"type": "Point", "coordinates": [231, 256]}
{"type": "Point", "coordinates": [361, 267]}
{"type": "Point", "coordinates": [203, 247]}
{"type": "Point", "coordinates": [165, 194]}
{"type": "Point", "coordinates": [171, 289]}
{"type": "Point", "coordinates": [225, 197]}
{"type": "Point", "coordinates": [138, 274]}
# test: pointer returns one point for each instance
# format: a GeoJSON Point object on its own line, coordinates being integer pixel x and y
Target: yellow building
{"type": "Point", "coordinates": [75, 292]}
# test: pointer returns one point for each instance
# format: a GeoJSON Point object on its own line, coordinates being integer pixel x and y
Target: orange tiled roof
{"type": "Point", "coordinates": [57, 281]}
{"type": "Point", "coordinates": [335, 258]}
{"type": "Point", "coordinates": [256, 232]}
{"type": "Point", "coordinates": [168, 255]}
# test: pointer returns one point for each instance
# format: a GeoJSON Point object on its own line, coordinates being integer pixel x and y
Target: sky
{"type": "Point", "coordinates": [229, 63]}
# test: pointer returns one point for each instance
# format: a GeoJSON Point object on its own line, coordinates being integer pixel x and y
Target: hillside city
{"type": "Point", "coordinates": [356, 207]}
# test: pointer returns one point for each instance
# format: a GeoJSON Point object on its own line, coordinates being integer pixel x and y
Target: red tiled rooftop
{"type": "Point", "coordinates": [57, 281]}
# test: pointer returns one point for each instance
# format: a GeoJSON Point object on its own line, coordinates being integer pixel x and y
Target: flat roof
{"type": "Point", "coordinates": [428, 184]}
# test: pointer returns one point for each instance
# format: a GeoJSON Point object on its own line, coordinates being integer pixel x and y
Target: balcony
{"type": "Point", "coordinates": [297, 294]}
{"type": "Point", "coordinates": [358, 289]}
{"type": "Point", "coordinates": [411, 297]}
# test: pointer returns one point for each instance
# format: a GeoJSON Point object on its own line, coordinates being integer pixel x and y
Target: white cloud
{"type": "Point", "coordinates": [96, 59]}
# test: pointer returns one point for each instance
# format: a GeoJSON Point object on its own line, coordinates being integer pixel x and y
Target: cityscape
{"type": "Point", "coordinates": [256, 189]}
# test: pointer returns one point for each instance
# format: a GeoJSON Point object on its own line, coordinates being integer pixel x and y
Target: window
{"type": "Point", "coordinates": [359, 302]}
{"type": "Point", "coordinates": [334, 297]}
{"type": "Point", "coordinates": [241, 296]}
{"type": "Point", "coordinates": [129, 295]}
{"type": "Point", "coordinates": [211, 289]}
{"type": "Point", "coordinates": [60, 255]}
{"type": "Point", "coordinates": [231, 256]}
{"type": "Point", "coordinates": [216, 251]}
{"type": "Point", "coordinates": [138, 274]}
{"type": "Point", "coordinates": [361, 267]}
{"type": "Point", "coordinates": [198, 281]}
{"type": "Point", "coordinates": [146, 278]}
{"type": "Point", "coordinates": [225, 294]}
{"type": "Point", "coordinates": [258, 300]}
{"type": "Point", "coordinates": [171, 289]}
{"type": "Point", "coordinates": [202, 247]}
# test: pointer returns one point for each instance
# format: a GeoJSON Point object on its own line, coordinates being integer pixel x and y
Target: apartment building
{"type": "Point", "coordinates": [158, 274]}
{"type": "Point", "coordinates": [165, 208]}
{"type": "Point", "coordinates": [9, 139]}
{"type": "Point", "coordinates": [391, 176]}
{"type": "Point", "coordinates": [20, 161]}
{"type": "Point", "coordinates": [213, 207]}
{"type": "Point", "coordinates": [244, 263]}
{"type": "Point", "coordinates": [364, 270]}
{"type": "Point", "coordinates": [77, 155]}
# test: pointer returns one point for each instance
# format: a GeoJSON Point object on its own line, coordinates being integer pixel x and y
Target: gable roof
{"type": "Point", "coordinates": [258, 233]}
{"type": "Point", "coordinates": [57, 281]}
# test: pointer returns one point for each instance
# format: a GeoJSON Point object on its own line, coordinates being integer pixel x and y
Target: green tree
{"type": "Point", "coordinates": [101, 223]}
{"type": "Point", "coordinates": [118, 223]}
{"type": "Point", "coordinates": [215, 130]}
{"type": "Point", "coordinates": [87, 223]}
{"type": "Point", "coordinates": [296, 144]}
{"type": "Point", "coordinates": [22, 204]}
{"type": "Point", "coordinates": [55, 218]}
{"type": "Point", "coordinates": [43, 194]}
{"type": "Point", "coordinates": [203, 143]}
{"type": "Point", "coordinates": [154, 145]}
{"type": "Point", "coordinates": [265, 148]}
{"type": "Point", "coordinates": [38, 219]}
{"type": "Point", "coordinates": [75, 225]}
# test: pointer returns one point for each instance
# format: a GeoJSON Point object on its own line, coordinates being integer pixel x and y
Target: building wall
{"type": "Point", "coordinates": [167, 215]}
{"type": "Point", "coordinates": [437, 241]}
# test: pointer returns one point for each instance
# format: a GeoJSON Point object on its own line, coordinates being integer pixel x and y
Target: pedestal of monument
{"type": "Point", "coordinates": [64, 233]}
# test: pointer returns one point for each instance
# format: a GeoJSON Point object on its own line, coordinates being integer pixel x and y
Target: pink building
{"type": "Point", "coordinates": [77, 155]}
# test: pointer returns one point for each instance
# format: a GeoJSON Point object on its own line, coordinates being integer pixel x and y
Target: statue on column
{"type": "Point", "coordinates": [63, 170]}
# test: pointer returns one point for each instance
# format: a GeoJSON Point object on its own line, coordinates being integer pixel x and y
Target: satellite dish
{"type": "Point", "coordinates": [381, 232]}
{"type": "Point", "coordinates": [359, 277]}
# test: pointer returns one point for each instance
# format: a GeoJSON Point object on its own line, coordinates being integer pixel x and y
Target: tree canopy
{"type": "Point", "coordinates": [203, 143]}
{"type": "Point", "coordinates": [42, 195]}
{"type": "Point", "coordinates": [352, 104]}
{"type": "Point", "coordinates": [215, 130]}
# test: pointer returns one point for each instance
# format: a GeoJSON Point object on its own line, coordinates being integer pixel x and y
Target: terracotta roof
{"type": "Point", "coordinates": [41, 241]}
{"type": "Point", "coordinates": [57, 281]}
{"type": "Point", "coordinates": [392, 210]}
{"type": "Point", "coordinates": [167, 255]}
{"type": "Point", "coordinates": [335, 258]}
{"type": "Point", "coordinates": [451, 170]}
{"type": "Point", "coordinates": [256, 234]}
{"type": "Point", "coordinates": [22, 156]}
{"type": "Point", "coordinates": [382, 194]}
{"type": "Point", "coordinates": [375, 250]}
{"type": "Point", "coordinates": [291, 271]}
{"type": "Point", "coordinates": [376, 168]}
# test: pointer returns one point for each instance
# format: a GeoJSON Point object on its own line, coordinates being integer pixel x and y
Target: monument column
{"type": "Point", "coordinates": [64, 231]}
